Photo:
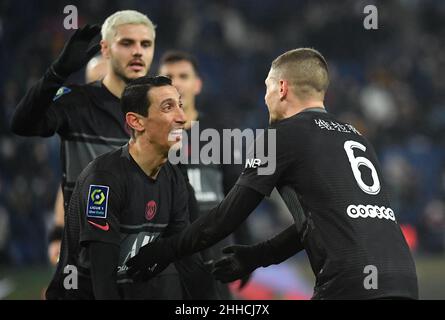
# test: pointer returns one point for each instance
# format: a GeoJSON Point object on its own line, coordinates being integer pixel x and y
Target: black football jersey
{"type": "Point", "coordinates": [89, 121]}
{"type": "Point", "coordinates": [114, 201]}
{"type": "Point", "coordinates": [351, 235]}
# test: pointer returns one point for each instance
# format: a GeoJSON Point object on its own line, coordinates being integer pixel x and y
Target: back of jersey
{"type": "Point", "coordinates": [352, 237]}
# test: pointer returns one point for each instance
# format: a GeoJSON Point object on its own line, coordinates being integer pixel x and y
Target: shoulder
{"type": "Point", "coordinates": [174, 173]}
{"type": "Point", "coordinates": [304, 125]}
{"type": "Point", "coordinates": [106, 167]}
{"type": "Point", "coordinates": [93, 88]}
{"type": "Point", "coordinates": [299, 122]}
{"type": "Point", "coordinates": [74, 92]}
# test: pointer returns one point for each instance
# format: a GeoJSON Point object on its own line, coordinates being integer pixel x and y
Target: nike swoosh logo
{"type": "Point", "coordinates": [106, 227]}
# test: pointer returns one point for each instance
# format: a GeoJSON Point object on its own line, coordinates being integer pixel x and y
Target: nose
{"type": "Point", "coordinates": [137, 50]}
{"type": "Point", "coordinates": [180, 116]}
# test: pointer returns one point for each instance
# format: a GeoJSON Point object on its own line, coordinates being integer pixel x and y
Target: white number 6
{"type": "Point", "coordinates": [356, 162]}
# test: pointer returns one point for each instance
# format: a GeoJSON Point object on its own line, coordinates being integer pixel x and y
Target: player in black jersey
{"type": "Point", "coordinates": [88, 118]}
{"type": "Point", "coordinates": [125, 199]}
{"type": "Point", "coordinates": [329, 177]}
{"type": "Point", "coordinates": [210, 182]}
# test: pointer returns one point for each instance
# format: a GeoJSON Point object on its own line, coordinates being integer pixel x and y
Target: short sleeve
{"type": "Point", "coordinates": [100, 201]}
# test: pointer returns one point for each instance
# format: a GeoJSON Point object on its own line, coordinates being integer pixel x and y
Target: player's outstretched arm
{"type": "Point", "coordinates": [242, 260]}
{"type": "Point", "coordinates": [201, 234]}
{"type": "Point", "coordinates": [33, 116]}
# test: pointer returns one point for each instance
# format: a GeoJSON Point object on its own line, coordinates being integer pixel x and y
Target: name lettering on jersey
{"type": "Point", "coordinates": [97, 201]}
{"type": "Point", "coordinates": [253, 163]}
{"type": "Point", "coordinates": [335, 126]}
{"type": "Point", "coordinates": [369, 211]}
{"type": "Point", "coordinates": [61, 92]}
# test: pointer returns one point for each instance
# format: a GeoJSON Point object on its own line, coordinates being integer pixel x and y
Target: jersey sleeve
{"type": "Point", "coordinates": [263, 170]}
{"type": "Point", "coordinates": [41, 112]}
{"type": "Point", "coordinates": [101, 203]}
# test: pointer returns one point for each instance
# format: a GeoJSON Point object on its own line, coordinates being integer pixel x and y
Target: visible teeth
{"type": "Point", "coordinates": [174, 134]}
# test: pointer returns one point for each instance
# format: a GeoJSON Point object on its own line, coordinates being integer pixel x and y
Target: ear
{"type": "Point", "coordinates": [134, 121]}
{"type": "Point", "coordinates": [198, 86]}
{"type": "Point", "coordinates": [105, 49]}
{"type": "Point", "coordinates": [284, 88]}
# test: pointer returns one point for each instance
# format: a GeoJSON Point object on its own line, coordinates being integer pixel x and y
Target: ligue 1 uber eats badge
{"type": "Point", "coordinates": [97, 201]}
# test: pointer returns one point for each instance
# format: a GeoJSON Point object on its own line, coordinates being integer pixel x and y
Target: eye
{"type": "Point", "coordinates": [168, 107]}
{"type": "Point", "coordinates": [146, 44]}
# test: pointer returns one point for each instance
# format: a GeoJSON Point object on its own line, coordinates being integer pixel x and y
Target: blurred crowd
{"type": "Point", "coordinates": [389, 83]}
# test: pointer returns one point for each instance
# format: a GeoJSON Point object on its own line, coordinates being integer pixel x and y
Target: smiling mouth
{"type": "Point", "coordinates": [175, 135]}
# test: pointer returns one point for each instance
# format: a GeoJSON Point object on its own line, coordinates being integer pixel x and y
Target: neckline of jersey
{"type": "Point", "coordinates": [126, 153]}
{"type": "Point", "coordinates": [312, 109]}
{"type": "Point", "coordinates": [108, 92]}
{"type": "Point", "coordinates": [315, 109]}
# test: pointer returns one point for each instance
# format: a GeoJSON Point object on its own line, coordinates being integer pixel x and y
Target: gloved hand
{"type": "Point", "coordinates": [151, 259]}
{"type": "Point", "coordinates": [76, 52]}
{"type": "Point", "coordinates": [244, 281]}
{"type": "Point", "coordinates": [239, 264]}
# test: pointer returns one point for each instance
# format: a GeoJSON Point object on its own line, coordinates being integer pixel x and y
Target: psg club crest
{"type": "Point", "coordinates": [150, 210]}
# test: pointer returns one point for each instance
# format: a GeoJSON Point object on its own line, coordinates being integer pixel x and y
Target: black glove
{"type": "Point", "coordinates": [210, 266]}
{"type": "Point", "coordinates": [244, 281]}
{"type": "Point", "coordinates": [77, 52]}
{"type": "Point", "coordinates": [151, 259]}
{"type": "Point", "coordinates": [239, 264]}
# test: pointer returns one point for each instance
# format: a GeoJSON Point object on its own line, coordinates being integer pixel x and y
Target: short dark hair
{"type": "Point", "coordinates": [135, 96]}
{"type": "Point", "coordinates": [173, 56]}
{"type": "Point", "coordinates": [306, 69]}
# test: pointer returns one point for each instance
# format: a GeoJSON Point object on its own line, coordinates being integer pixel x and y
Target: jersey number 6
{"type": "Point", "coordinates": [356, 162]}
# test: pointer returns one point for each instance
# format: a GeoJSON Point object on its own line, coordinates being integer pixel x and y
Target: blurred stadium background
{"type": "Point", "coordinates": [388, 82]}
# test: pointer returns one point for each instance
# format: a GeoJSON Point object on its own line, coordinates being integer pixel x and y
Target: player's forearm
{"type": "Point", "coordinates": [104, 259]}
{"type": "Point", "coordinates": [31, 117]}
{"type": "Point", "coordinates": [218, 223]}
{"type": "Point", "coordinates": [281, 247]}
{"type": "Point", "coordinates": [191, 271]}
